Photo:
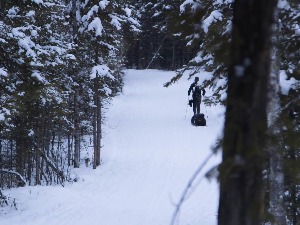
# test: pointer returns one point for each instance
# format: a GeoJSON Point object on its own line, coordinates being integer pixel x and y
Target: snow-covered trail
{"type": "Point", "coordinates": [150, 152]}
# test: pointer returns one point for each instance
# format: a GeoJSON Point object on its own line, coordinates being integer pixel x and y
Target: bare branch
{"type": "Point", "coordinates": [21, 179]}
{"type": "Point", "coordinates": [188, 187]}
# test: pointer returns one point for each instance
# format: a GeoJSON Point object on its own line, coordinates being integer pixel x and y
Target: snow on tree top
{"type": "Point", "coordinates": [97, 26]}
{"type": "Point", "coordinates": [285, 83]}
{"type": "Point", "coordinates": [115, 22]}
{"type": "Point", "coordinates": [103, 4]}
{"type": "Point", "coordinates": [3, 72]}
{"type": "Point", "coordinates": [102, 70]}
{"type": "Point", "coordinates": [215, 15]}
{"type": "Point", "coordinates": [128, 11]}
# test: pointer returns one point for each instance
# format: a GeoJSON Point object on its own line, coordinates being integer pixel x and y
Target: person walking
{"type": "Point", "coordinates": [197, 93]}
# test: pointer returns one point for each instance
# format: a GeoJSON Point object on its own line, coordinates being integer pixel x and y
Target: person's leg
{"type": "Point", "coordinates": [194, 107]}
{"type": "Point", "coordinates": [198, 107]}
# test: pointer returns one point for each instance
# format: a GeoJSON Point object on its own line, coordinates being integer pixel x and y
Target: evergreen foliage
{"type": "Point", "coordinates": [61, 62]}
{"type": "Point", "coordinates": [159, 45]}
{"type": "Point", "coordinates": [289, 49]}
{"type": "Point", "coordinates": [48, 72]}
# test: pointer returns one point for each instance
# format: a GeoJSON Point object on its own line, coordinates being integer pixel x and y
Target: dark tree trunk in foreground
{"type": "Point", "coordinates": [241, 183]}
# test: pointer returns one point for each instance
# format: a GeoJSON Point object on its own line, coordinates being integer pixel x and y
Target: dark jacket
{"type": "Point", "coordinates": [196, 91]}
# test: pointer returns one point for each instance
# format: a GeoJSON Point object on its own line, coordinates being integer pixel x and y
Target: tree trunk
{"type": "Point", "coordinates": [274, 149]}
{"type": "Point", "coordinates": [60, 174]}
{"type": "Point", "coordinates": [38, 140]}
{"type": "Point", "coordinates": [76, 130]}
{"type": "Point", "coordinates": [69, 150]}
{"type": "Point", "coordinates": [97, 116]}
{"type": "Point", "coordinates": [1, 178]}
{"type": "Point", "coordinates": [99, 132]}
{"type": "Point", "coordinates": [241, 184]}
{"type": "Point", "coordinates": [74, 20]}
{"type": "Point", "coordinates": [37, 157]}
{"type": "Point", "coordinates": [95, 124]}
{"type": "Point", "coordinates": [173, 53]}
{"type": "Point", "coordinates": [294, 193]}
{"type": "Point", "coordinates": [76, 94]}
{"type": "Point", "coordinates": [19, 154]}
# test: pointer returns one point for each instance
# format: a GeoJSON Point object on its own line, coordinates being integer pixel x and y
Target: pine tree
{"type": "Point", "coordinates": [33, 52]}
{"type": "Point", "coordinates": [241, 184]}
{"type": "Point", "coordinates": [288, 48]}
{"type": "Point", "coordinates": [160, 43]}
{"type": "Point", "coordinates": [100, 29]}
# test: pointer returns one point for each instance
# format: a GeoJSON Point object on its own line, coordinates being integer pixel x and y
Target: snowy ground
{"type": "Point", "coordinates": [150, 152]}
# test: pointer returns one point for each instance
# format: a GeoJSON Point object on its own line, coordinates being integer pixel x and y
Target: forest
{"type": "Point", "coordinates": [62, 61]}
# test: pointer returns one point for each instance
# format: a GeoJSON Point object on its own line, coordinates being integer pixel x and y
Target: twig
{"type": "Point", "coordinates": [156, 53]}
{"type": "Point", "coordinates": [21, 179]}
{"type": "Point", "coordinates": [188, 187]}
